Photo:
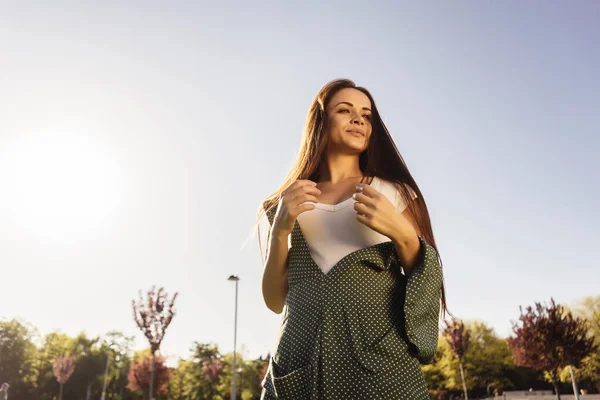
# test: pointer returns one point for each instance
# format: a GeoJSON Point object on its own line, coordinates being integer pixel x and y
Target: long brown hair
{"type": "Point", "coordinates": [381, 159]}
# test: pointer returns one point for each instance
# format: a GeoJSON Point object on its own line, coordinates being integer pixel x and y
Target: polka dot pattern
{"type": "Point", "coordinates": [359, 331]}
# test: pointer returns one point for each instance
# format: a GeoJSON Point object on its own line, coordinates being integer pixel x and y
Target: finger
{"type": "Point", "coordinates": [363, 209]}
{"type": "Point", "coordinates": [364, 199]}
{"type": "Point", "coordinates": [302, 198]}
{"type": "Point", "coordinates": [305, 207]}
{"type": "Point", "coordinates": [368, 190]}
{"type": "Point", "coordinates": [305, 189]}
{"type": "Point", "coordinates": [362, 219]}
{"type": "Point", "coordinates": [297, 184]}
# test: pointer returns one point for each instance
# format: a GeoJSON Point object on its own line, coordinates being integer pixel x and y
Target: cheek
{"type": "Point", "coordinates": [336, 125]}
{"type": "Point", "coordinates": [337, 122]}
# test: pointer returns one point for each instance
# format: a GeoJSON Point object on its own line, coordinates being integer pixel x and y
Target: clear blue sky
{"type": "Point", "coordinates": [137, 141]}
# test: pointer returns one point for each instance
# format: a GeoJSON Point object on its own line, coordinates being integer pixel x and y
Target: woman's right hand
{"type": "Point", "coordinates": [291, 205]}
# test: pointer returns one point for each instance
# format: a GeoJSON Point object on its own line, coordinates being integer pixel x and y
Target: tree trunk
{"type": "Point", "coordinates": [462, 374]}
{"type": "Point", "coordinates": [60, 392]}
{"type": "Point", "coordinates": [103, 397]}
{"type": "Point", "coordinates": [575, 389]}
{"type": "Point", "coordinates": [556, 389]}
{"type": "Point", "coordinates": [88, 393]}
{"type": "Point", "coordinates": [151, 397]}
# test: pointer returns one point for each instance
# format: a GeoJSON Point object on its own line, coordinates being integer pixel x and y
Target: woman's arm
{"type": "Point", "coordinates": [407, 241]}
{"type": "Point", "coordinates": [294, 200]}
{"type": "Point", "coordinates": [275, 275]}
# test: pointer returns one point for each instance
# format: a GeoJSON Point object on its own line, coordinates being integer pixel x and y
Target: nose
{"type": "Point", "coordinates": [358, 119]}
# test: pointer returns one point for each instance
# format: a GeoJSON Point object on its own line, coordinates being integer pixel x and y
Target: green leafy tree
{"type": "Point", "coordinates": [118, 349]}
{"type": "Point", "coordinates": [183, 384]}
{"type": "Point", "coordinates": [17, 355]}
{"type": "Point", "coordinates": [248, 377]}
{"type": "Point", "coordinates": [488, 359]}
{"type": "Point", "coordinates": [190, 380]}
{"type": "Point", "coordinates": [53, 345]}
{"type": "Point", "coordinates": [457, 335]}
{"type": "Point", "coordinates": [589, 372]}
{"type": "Point", "coordinates": [90, 366]}
{"type": "Point", "coordinates": [434, 373]}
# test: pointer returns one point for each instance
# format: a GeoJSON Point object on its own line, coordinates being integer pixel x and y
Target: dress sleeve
{"type": "Point", "coordinates": [422, 305]}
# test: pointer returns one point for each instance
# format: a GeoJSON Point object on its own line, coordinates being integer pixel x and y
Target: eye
{"type": "Point", "coordinates": [343, 110]}
{"type": "Point", "coordinates": [367, 116]}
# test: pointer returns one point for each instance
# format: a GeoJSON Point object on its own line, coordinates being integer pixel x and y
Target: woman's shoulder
{"type": "Point", "coordinates": [390, 190]}
{"type": "Point", "coordinates": [391, 186]}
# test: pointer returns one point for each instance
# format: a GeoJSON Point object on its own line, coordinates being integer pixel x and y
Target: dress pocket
{"type": "Point", "coordinates": [296, 385]}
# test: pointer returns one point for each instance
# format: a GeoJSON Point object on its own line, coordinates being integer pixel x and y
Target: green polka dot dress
{"type": "Point", "coordinates": [360, 331]}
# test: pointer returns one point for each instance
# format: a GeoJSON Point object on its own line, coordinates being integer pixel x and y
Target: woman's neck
{"type": "Point", "coordinates": [339, 168]}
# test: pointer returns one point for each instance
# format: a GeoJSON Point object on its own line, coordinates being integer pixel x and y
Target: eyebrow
{"type": "Point", "coordinates": [351, 105]}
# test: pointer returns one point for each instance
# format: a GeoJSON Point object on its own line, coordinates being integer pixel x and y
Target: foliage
{"type": "Point", "coordinates": [550, 338]}
{"type": "Point", "coordinates": [17, 358]}
{"type": "Point", "coordinates": [140, 371]}
{"type": "Point", "coordinates": [63, 367]}
{"type": "Point", "coordinates": [457, 336]}
{"type": "Point", "coordinates": [588, 375]}
{"type": "Point", "coordinates": [154, 315]}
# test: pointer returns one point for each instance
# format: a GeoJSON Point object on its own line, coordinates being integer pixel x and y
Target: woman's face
{"type": "Point", "coordinates": [349, 121]}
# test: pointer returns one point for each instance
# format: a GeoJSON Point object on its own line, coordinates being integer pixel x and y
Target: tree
{"type": "Point", "coordinates": [116, 347]}
{"type": "Point", "coordinates": [153, 317]}
{"type": "Point", "coordinates": [487, 360]}
{"type": "Point", "coordinates": [212, 368]}
{"type": "Point", "coordinates": [17, 354]}
{"type": "Point", "coordinates": [248, 372]}
{"type": "Point", "coordinates": [433, 372]}
{"type": "Point", "coordinates": [183, 383]}
{"type": "Point", "coordinates": [144, 370]}
{"type": "Point", "coordinates": [487, 364]}
{"type": "Point", "coordinates": [189, 379]}
{"type": "Point", "coordinates": [458, 337]}
{"type": "Point", "coordinates": [63, 367]}
{"type": "Point", "coordinates": [90, 364]}
{"type": "Point", "coordinates": [589, 373]}
{"type": "Point", "coordinates": [548, 338]}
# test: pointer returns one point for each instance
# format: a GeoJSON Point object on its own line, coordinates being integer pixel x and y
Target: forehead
{"type": "Point", "coordinates": [356, 97]}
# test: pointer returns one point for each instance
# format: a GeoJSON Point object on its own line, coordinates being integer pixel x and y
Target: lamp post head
{"type": "Point", "coordinates": [233, 278]}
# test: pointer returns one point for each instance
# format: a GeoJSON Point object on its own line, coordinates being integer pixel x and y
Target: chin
{"type": "Point", "coordinates": [355, 149]}
{"type": "Point", "coordinates": [356, 145]}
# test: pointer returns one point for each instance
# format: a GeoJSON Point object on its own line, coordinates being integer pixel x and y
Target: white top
{"type": "Point", "coordinates": [332, 231]}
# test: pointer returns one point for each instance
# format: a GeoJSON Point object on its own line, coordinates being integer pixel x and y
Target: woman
{"type": "Point", "coordinates": [361, 285]}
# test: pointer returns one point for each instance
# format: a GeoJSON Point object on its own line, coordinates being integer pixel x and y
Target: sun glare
{"type": "Point", "coordinates": [60, 188]}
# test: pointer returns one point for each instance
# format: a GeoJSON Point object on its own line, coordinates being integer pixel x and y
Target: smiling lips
{"type": "Point", "coordinates": [356, 131]}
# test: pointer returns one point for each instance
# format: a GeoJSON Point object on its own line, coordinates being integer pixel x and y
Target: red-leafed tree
{"type": "Point", "coordinates": [458, 338]}
{"type": "Point", "coordinates": [212, 368]}
{"type": "Point", "coordinates": [143, 372]}
{"type": "Point", "coordinates": [548, 338]}
{"type": "Point", "coordinates": [153, 316]}
{"type": "Point", "coordinates": [63, 367]}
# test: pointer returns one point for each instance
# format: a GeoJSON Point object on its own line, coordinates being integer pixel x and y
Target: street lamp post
{"type": "Point", "coordinates": [105, 375]}
{"type": "Point", "coordinates": [233, 370]}
{"type": "Point", "coordinates": [106, 370]}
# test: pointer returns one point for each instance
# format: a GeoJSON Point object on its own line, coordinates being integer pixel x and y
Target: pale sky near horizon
{"type": "Point", "coordinates": [137, 141]}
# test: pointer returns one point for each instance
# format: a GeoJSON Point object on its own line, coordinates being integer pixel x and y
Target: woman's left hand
{"type": "Point", "coordinates": [378, 213]}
